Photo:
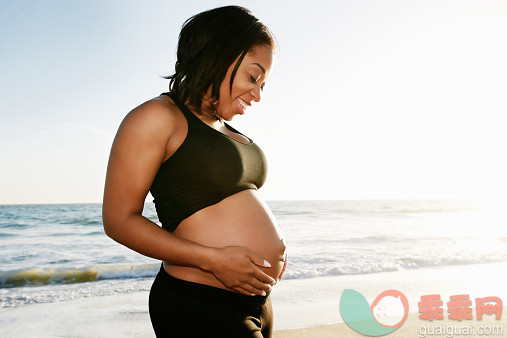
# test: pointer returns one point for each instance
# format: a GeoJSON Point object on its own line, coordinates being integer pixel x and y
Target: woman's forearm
{"type": "Point", "coordinates": [147, 238]}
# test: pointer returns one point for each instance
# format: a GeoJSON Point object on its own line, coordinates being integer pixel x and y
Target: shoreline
{"type": "Point", "coordinates": [302, 307]}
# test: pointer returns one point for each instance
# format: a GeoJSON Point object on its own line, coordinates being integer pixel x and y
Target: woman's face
{"type": "Point", "coordinates": [247, 85]}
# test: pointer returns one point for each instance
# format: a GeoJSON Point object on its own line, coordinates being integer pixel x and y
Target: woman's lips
{"type": "Point", "coordinates": [242, 105]}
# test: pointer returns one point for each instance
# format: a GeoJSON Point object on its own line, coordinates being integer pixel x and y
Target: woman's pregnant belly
{"type": "Point", "coordinates": [242, 219]}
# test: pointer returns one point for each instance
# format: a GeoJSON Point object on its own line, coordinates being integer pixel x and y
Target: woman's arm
{"type": "Point", "coordinates": [136, 155]}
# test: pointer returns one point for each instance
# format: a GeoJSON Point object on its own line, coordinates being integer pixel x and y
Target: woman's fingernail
{"type": "Point", "coordinates": [253, 294]}
{"type": "Point", "coordinates": [266, 263]}
{"type": "Point", "coordinates": [263, 293]}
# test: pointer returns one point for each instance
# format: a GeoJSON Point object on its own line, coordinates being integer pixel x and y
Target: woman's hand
{"type": "Point", "coordinates": [236, 267]}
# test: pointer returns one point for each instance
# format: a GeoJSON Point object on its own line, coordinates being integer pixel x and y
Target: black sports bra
{"type": "Point", "coordinates": [207, 167]}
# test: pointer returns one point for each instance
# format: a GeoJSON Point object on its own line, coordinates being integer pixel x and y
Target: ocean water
{"type": "Point", "coordinates": [57, 252]}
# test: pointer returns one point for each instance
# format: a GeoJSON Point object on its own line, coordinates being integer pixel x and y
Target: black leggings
{"type": "Point", "coordinates": [179, 308]}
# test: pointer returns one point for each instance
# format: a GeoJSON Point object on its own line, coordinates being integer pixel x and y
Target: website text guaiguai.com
{"type": "Point", "coordinates": [460, 330]}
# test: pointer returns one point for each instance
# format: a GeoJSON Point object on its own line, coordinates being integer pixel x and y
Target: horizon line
{"type": "Point", "coordinates": [283, 200]}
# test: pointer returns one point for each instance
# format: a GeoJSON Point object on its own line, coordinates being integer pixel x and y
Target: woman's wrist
{"type": "Point", "coordinates": [208, 259]}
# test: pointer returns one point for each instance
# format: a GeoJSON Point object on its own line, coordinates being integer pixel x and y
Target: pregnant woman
{"type": "Point", "coordinates": [221, 247]}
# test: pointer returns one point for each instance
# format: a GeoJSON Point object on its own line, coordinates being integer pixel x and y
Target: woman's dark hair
{"type": "Point", "coordinates": [209, 42]}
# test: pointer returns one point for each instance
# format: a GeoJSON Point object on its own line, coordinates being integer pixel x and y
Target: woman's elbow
{"type": "Point", "coordinates": [109, 222]}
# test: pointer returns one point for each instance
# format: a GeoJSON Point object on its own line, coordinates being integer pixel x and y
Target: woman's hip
{"type": "Point", "coordinates": [180, 308]}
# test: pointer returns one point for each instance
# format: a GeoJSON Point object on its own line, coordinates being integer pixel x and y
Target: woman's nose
{"type": "Point", "coordinates": [256, 94]}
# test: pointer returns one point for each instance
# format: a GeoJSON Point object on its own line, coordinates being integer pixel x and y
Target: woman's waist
{"type": "Point", "coordinates": [196, 275]}
{"type": "Point", "coordinates": [196, 288]}
{"type": "Point", "coordinates": [266, 244]}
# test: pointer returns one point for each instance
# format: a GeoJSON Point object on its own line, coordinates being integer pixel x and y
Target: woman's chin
{"type": "Point", "coordinates": [230, 117]}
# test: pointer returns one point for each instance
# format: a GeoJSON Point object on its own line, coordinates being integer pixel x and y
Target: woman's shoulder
{"type": "Point", "coordinates": [158, 115]}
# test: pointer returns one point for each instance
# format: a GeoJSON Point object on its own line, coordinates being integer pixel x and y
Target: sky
{"type": "Point", "coordinates": [367, 99]}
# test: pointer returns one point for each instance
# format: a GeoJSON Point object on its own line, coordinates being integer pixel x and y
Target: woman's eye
{"type": "Point", "coordinates": [254, 80]}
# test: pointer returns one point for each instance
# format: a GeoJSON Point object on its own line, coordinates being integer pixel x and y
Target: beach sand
{"type": "Point", "coordinates": [412, 327]}
{"type": "Point", "coordinates": [303, 303]}
{"type": "Point", "coordinates": [302, 307]}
